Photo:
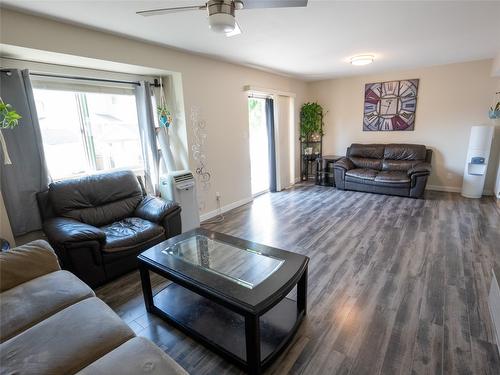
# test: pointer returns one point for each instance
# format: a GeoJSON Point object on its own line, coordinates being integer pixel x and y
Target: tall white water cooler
{"type": "Point", "coordinates": [476, 163]}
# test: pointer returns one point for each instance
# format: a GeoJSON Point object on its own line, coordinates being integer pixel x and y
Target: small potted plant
{"type": "Point", "coordinates": [9, 119]}
{"type": "Point", "coordinates": [495, 112]}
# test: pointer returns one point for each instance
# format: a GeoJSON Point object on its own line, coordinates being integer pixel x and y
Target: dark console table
{"type": "Point", "coordinates": [324, 169]}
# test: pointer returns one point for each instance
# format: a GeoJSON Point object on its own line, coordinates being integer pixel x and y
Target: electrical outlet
{"type": "Point", "coordinates": [449, 176]}
{"type": "Point", "coordinates": [217, 195]}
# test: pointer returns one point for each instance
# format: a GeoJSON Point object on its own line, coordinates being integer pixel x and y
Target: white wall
{"type": "Point", "coordinates": [451, 98]}
{"type": "Point", "coordinates": [213, 86]}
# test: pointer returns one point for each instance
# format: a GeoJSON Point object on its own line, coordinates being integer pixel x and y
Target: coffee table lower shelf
{"type": "Point", "coordinates": [223, 330]}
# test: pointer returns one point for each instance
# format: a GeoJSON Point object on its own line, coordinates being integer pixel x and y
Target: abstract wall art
{"type": "Point", "coordinates": [390, 106]}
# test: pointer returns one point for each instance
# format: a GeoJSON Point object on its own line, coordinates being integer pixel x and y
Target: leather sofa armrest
{"type": "Point", "coordinates": [24, 263]}
{"type": "Point", "coordinates": [421, 169]}
{"type": "Point", "coordinates": [155, 209]}
{"type": "Point", "coordinates": [62, 231]}
{"type": "Point", "coordinates": [344, 164]}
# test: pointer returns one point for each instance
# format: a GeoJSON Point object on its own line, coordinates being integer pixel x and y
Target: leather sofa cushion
{"type": "Point", "coordinates": [361, 174]}
{"type": "Point", "coordinates": [399, 165]}
{"type": "Point", "coordinates": [130, 232]}
{"type": "Point", "coordinates": [366, 163]}
{"type": "Point", "coordinates": [97, 199]}
{"type": "Point", "coordinates": [404, 152]}
{"type": "Point", "coordinates": [31, 302]}
{"type": "Point", "coordinates": [372, 151]}
{"type": "Point", "coordinates": [392, 177]}
{"type": "Point", "coordinates": [66, 342]}
{"type": "Point", "coordinates": [136, 356]}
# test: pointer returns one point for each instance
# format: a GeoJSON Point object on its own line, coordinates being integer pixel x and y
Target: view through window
{"type": "Point", "coordinates": [85, 132]}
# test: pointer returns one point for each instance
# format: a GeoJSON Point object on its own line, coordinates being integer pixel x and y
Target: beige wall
{"type": "Point", "coordinates": [213, 86]}
{"type": "Point", "coordinates": [496, 66]}
{"type": "Point", "coordinates": [451, 99]}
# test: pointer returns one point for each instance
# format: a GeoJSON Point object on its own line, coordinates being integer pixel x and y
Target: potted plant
{"type": "Point", "coordinates": [311, 121]}
{"type": "Point", "coordinates": [9, 119]}
{"type": "Point", "coordinates": [495, 112]}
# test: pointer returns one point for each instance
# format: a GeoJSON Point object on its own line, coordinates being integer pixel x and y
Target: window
{"type": "Point", "coordinates": [84, 131]}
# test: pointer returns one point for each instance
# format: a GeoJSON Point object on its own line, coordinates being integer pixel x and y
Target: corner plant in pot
{"type": "Point", "coordinates": [9, 119]}
{"type": "Point", "coordinates": [311, 121]}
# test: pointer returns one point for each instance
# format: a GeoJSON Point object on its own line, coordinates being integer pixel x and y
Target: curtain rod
{"type": "Point", "coordinates": [155, 83]}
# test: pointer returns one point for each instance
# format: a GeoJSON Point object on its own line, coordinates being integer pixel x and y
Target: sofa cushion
{"type": "Point", "coordinates": [361, 174]}
{"type": "Point", "coordinates": [136, 356]}
{"type": "Point", "coordinates": [97, 199]}
{"type": "Point", "coordinates": [404, 152]}
{"type": "Point", "coordinates": [372, 151]}
{"type": "Point", "coordinates": [29, 303]}
{"type": "Point", "coordinates": [24, 263]}
{"type": "Point", "coordinates": [130, 232]}
{"type": "Point", "coordinates": [65, 342]}
{"type": "Point", "coordinates": [367, 163]}
{"type": "Point", "coordinates": [396, 177]}
{"type": "Point", "coordinates": [399, 165]}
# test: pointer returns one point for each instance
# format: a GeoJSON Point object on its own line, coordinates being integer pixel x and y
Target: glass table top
{"type": "Point", "coordinates": [245, 267]}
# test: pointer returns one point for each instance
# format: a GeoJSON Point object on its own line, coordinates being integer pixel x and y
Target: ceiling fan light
{"type": "Point", "coordinates": [362, 60]}
{"type": "Point", "coordinates": [221, 23]}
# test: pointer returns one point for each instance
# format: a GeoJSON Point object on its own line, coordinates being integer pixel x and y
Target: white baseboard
{"type": "Point", "coordinates": [228, 207]}
{"type": "Point", "coordinates": [448, 189]}
{"type": "Point", "coordinates": [453, 189]}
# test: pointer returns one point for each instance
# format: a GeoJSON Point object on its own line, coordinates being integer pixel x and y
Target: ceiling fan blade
{"type": "Point", "coordinates": [157, 12]}
{"type": "Point", "coordinates": [236, 31]}
{"type": "Point", "coordinates": [254, 4]}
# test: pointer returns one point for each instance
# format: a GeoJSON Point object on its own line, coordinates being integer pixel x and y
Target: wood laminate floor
{"type": "Point", "coordinates": [396, 285]}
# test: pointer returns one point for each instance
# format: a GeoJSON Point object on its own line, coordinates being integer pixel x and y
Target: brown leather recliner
{"type": "Point", "coordinates": [98, 224]}
{"type": "Point", "coordinates": [395, 169]}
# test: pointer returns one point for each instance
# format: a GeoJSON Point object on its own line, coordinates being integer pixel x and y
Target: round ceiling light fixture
{"type": "Point", "coordinates": [221, 16]}
{"type": "Point", "coordinates": [360, 60]}
{"type": "Point", "coordinates": [221, 23]}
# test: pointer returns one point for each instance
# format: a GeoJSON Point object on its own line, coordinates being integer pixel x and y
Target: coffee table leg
{"type": "Point", "coordinates": [252, 336]}
{"type": "Point", "coordinates": [146, 288]}
{"type": "Point", "coordinates": [302, 293]}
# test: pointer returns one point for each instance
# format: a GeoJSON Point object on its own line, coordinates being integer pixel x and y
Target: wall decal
{"type": "Point", "coordinates": [390, 106]}
{"type": "Point", "coordinates": [198, 150]}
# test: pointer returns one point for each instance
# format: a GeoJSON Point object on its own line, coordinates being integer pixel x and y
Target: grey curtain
{"type": "Point", "coordinates": [272, 144]}
{"type": "Point", "coordinates": [27, 175]}
{"type": "Point", "coordinates": [148, 136]}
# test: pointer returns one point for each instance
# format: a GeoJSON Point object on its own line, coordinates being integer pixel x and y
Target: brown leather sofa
{"type": "Point", "coordinates": [395, 169]}
{"type": "Point", "coordinates": [52, 323]}
{"type": "Point", "coordinates": [98, 224]}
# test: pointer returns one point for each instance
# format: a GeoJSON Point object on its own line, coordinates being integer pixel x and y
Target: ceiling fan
{"type": "Point", "coordinates": [221, 13]}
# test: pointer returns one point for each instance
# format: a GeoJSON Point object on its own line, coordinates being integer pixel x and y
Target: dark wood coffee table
{"type": "Point", "coordinates": [228, 293]}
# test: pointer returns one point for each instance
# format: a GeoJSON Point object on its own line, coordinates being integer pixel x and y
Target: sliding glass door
{"type": "Point", "coordinates": [259, 145]}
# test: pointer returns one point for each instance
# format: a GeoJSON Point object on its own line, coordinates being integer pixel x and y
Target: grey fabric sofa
{"type": "Point", "coordinates": [52, 323]}
{"type": "Point", "coordinates": [395, 169]}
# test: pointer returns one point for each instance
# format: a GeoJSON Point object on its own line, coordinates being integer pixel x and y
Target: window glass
{"type": "Point", "coordinates": [84, 132]}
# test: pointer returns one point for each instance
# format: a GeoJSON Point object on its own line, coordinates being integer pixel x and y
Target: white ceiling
{"type": "Point", "coordinates": [311, 43]}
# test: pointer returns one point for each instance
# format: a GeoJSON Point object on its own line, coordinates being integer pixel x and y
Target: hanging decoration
{"type": "Point", "coordinates": [9, 119]}
{"type": "Point", "coordinates": [165, 117]}
{"type": "Point", "coordinates": [165, 120]}
{"type": "Point", "coordinates": [198, 149]}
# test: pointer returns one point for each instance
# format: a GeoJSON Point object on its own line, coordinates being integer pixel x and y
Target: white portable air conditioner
{"type": "Point", "coordinates": [180, 187]}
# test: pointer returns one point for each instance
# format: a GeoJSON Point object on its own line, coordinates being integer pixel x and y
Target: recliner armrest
{"type": "Point", "coordinates": [63, 231]}
{"type": "Point", "coordinates": [421, 169]}
{"type": "Point", "coordinates": [155, 209]}
{"type": "Point", "coordinates": [24, 263]}
{"type": "Point", "coordinates": [344, 164]}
